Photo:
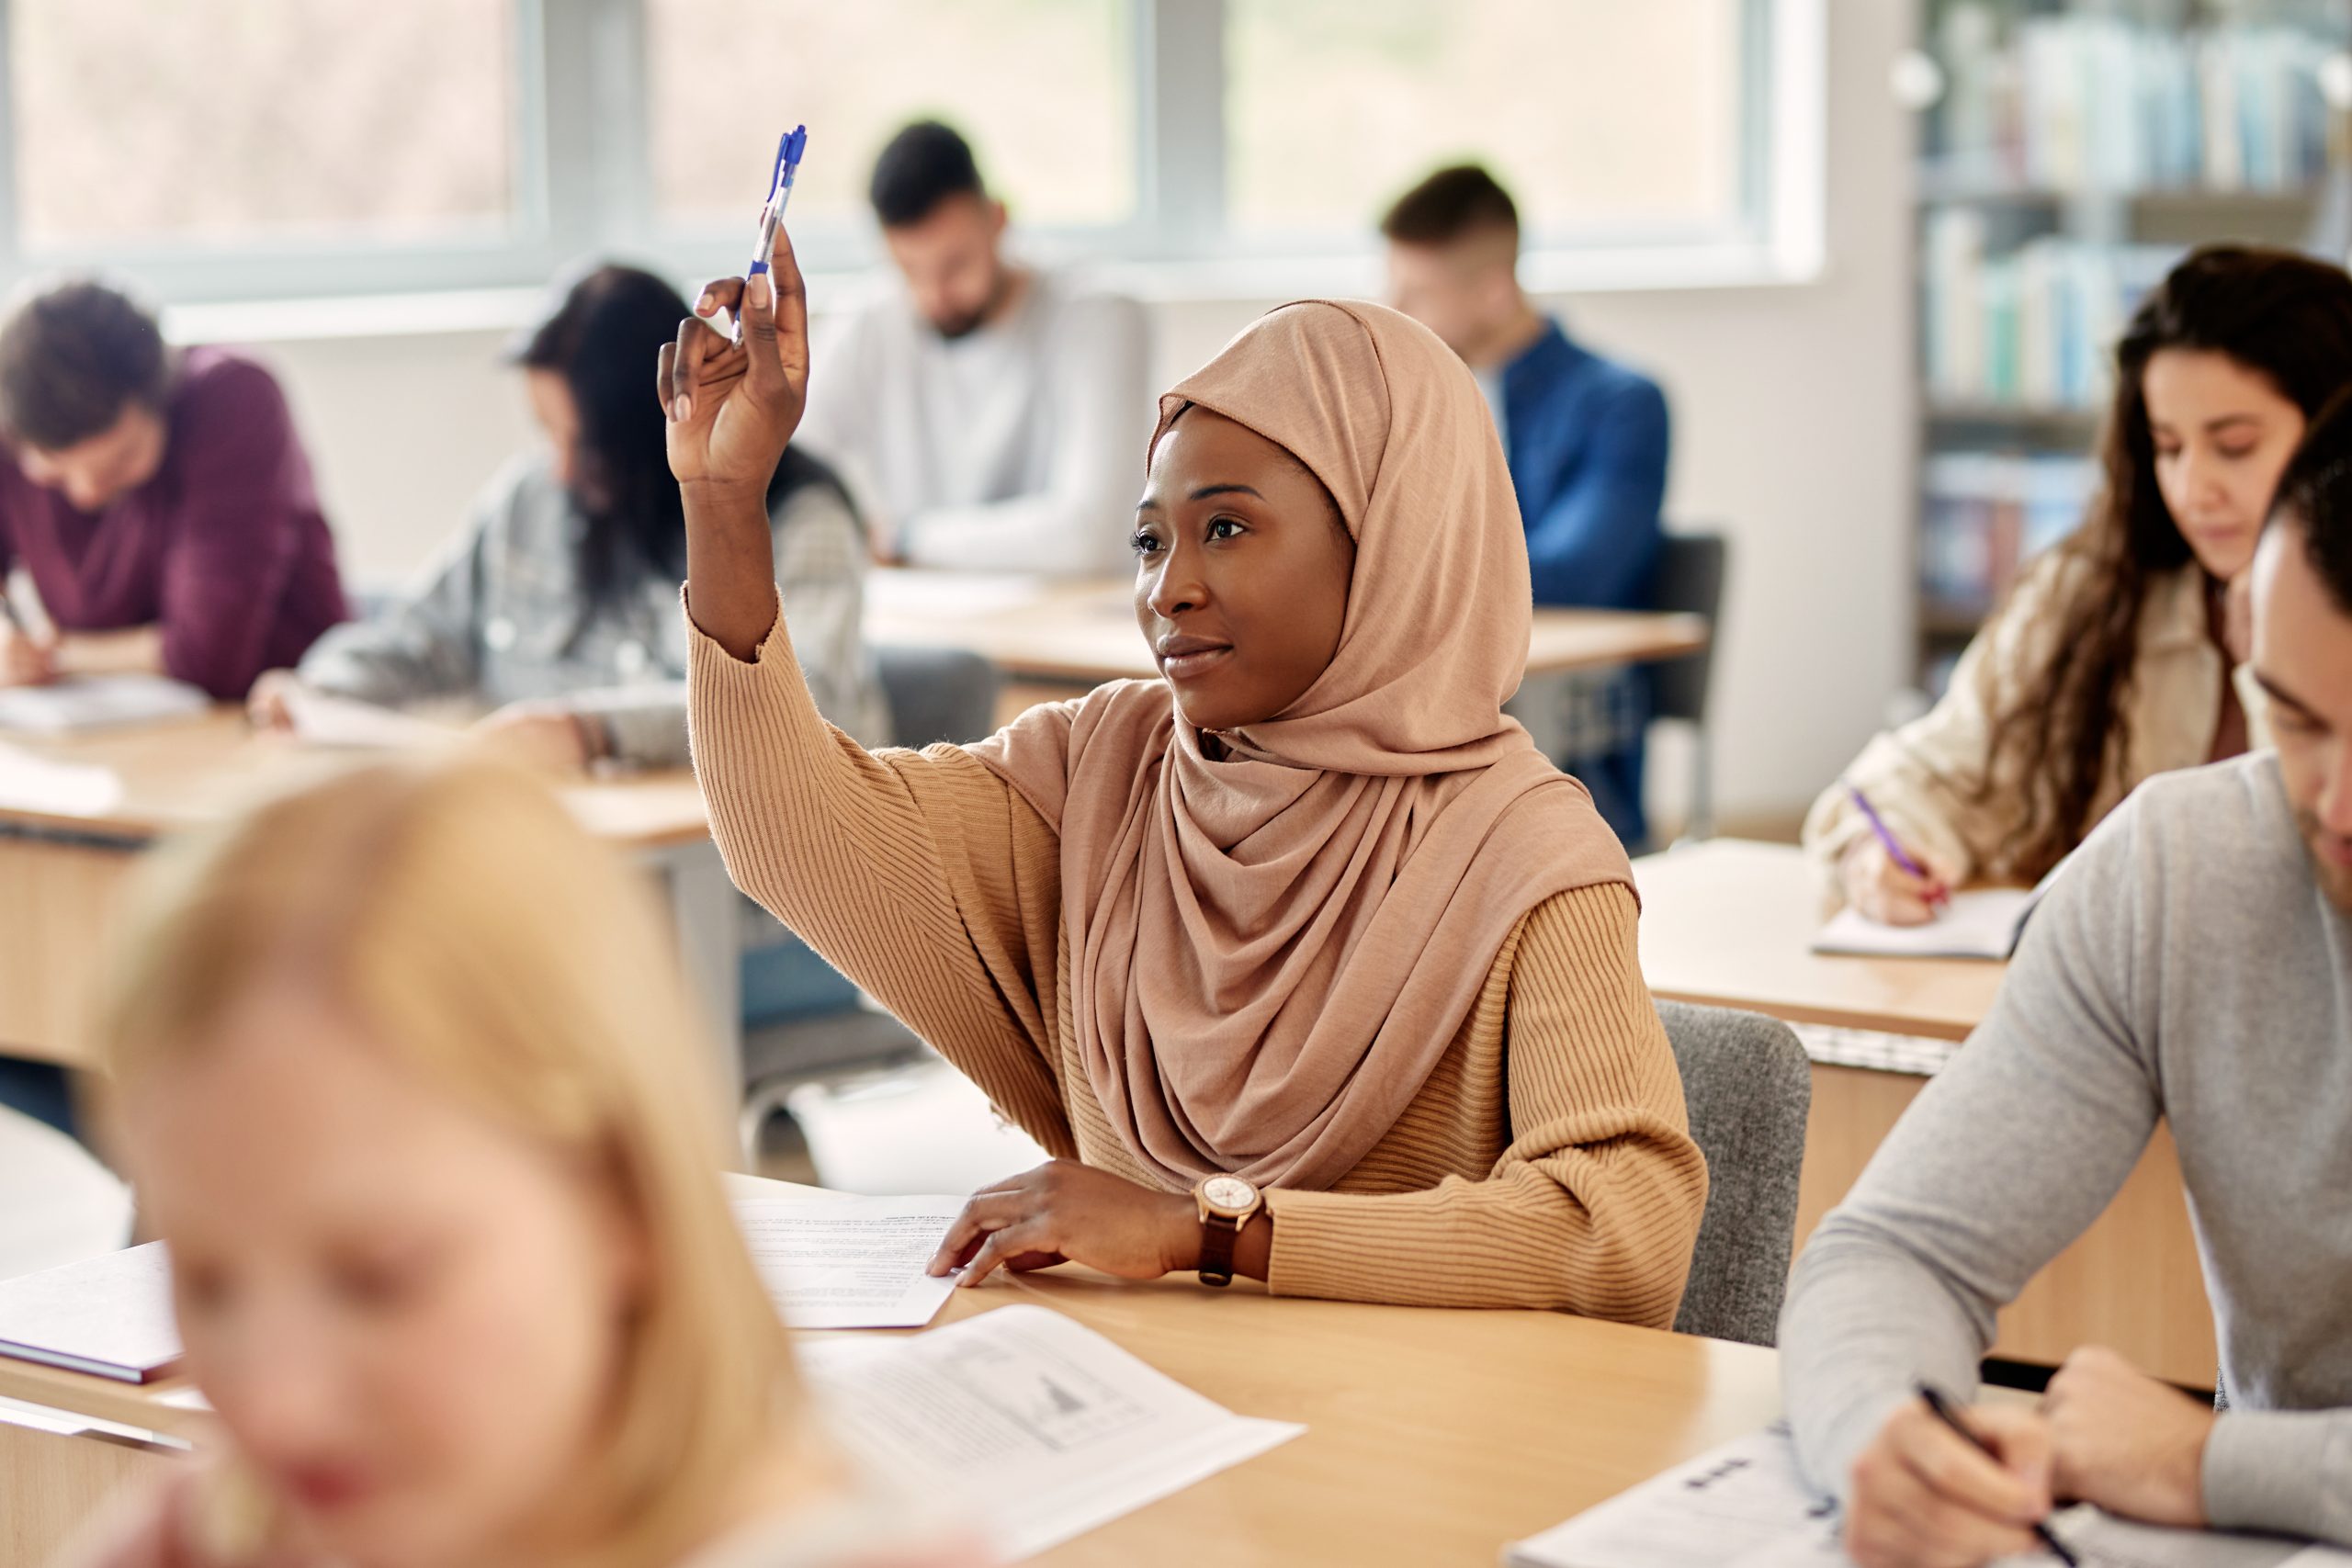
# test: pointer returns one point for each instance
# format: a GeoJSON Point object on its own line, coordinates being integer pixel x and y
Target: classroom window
{"type": "Point", "coordinates": [227, 150]}
{"type": "Point", "coordinates": [1605, 119]}
{"type": "Point", "coordinates": [226, 123]}
{"type": "Point", "coordinates": [1046, 89]}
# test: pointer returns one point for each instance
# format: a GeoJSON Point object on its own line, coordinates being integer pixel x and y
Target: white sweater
{"type": "Point", "coordinates": [1019, 448]}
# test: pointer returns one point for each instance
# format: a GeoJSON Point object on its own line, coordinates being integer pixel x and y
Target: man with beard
{"type": "Point", "coordinates": [2193, 963]}
{"type": "Point", "coordinates": [990, 415]}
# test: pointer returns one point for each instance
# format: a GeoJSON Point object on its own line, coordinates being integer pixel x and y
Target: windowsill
{"type": "Point", "coordinates": [1664, 269]}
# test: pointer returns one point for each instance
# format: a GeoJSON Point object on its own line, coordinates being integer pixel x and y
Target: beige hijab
{"type": "Point", "coordinates": [1272, 950]}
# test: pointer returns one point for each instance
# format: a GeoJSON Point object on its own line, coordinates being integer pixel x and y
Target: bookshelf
{"type": "Point", "coordinates": [2069, 152]}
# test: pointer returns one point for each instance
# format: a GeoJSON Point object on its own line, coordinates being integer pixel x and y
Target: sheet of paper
{"type": "Point", "coordinates": [324, 720]}
{"type": "Point", "coordinates": [1045, 1428]}
{"type": "Point", "coordinates": [108, 1315]}
{"type": "Point", "coordinates": [913, 594]}
{"type": "Point", "coordinates": [840, 1261]}
{"type": "Point", "coordinates": [1746, 1504]}
{"type": "Point", "coordinates": [28, 782]}
{"type": "Point", "coordinates": [82, 702]}
{"type": "Point", "coordinates": [1981, 923]}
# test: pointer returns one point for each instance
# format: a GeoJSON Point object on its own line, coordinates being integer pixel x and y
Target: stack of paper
{"type": "Point", "coordinates": [1746, 1506]}
{"type": "Point", "coordinates": [109, 1316]}
{"type": "Point", "coordinates": [1985, 922]}
{"type": "Point", "coordinates": [81, 703]}
{"type": "Point", "coordinates": [1041, 1428]}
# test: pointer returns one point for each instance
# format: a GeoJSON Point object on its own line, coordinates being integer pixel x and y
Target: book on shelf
{"type": "Point", "coordinates": [2030, 328]}
{"type": "Point", "coordinates": [1988, 513]}
{"type": "Point", "coordinates": [2095, 101]}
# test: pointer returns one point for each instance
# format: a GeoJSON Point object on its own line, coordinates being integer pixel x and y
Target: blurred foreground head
{"type": "Point", "coordinates": [404, 1074]}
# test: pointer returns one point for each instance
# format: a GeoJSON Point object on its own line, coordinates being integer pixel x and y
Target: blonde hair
{"type": "Point", "coordinates": [462, 918]}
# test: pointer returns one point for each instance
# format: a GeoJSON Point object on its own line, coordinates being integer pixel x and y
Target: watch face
{"type": "Point", "coordinates": [1228, 1193]}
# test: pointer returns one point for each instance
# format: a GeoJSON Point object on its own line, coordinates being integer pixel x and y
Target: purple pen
{"type": "Point", "coordinates": [1886, 837]}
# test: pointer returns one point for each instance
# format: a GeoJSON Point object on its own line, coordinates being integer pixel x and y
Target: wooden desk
{"type": "Point", "coordinates": [1433, 1436]}
{"type": "Point", "coordinates": [1084, 632]}
{"type": "Point", "coordinates": [61, 872]}
{"type": "Point", "coordinates": [1730, 924]}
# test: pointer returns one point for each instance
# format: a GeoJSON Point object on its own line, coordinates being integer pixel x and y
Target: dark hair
{"type": "Point", "coordinates": [1450, 205]}
{"type": "Point", "coordinates": [2315, 498]}
{"type": "Point", "coordinates": [2287, 318]}
{"type": "Point", "coordinates": [72, 358]}
{"type": "Point", "coordinates": [603, 338]}
{"type": "Point", "coordinates": [924, 165]}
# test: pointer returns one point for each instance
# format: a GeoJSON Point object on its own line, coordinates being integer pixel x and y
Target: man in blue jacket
{"type": "Point", "coordinates": [1586, 438]}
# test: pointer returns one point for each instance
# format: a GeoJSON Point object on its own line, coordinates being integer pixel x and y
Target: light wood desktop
{"type": "Point", "coordinates": [1433, 1436]}
{"type": "Point", "coordinates": [1730, 924]}
{"type": "Point", "coordinates": [61, 873]}
{"type": "Point", "coordinates": [1047, 636]}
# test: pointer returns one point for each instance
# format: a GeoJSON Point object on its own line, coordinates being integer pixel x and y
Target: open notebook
{"type": "Point", "coordinates": [1984, 922]}
{"type": "Point", "coordinates": [97, 702]}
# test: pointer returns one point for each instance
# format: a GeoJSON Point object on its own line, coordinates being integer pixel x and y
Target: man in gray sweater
{"type": "Point", "coordinates": [2193, 962]}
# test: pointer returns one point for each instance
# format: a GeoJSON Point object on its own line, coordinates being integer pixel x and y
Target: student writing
{"type": "Point", "coordinates": [986, 410]}
{"type": "Point", "coordinates": [2192, 964]}
{"type": "Point", "coordinates": [160, 501]}
{"type": "Point", "coordinates": [555, 606]}
{"type": "Point", "coordinates": [2111, 662]}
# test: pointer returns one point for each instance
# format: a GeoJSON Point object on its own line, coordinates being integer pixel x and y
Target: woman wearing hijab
{"type": "Point", "coordinates": [1302, 961]}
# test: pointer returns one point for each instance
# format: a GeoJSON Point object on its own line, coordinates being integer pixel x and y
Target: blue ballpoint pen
{"type": "Point", "coordinates": [787, 163]}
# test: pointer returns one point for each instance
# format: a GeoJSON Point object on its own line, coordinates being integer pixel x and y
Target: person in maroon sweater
{"type": "Point", "coordinates": [160, 502]}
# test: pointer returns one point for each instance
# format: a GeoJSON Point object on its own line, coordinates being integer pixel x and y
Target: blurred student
{"type": "Point", "coordinates": [2193, 966]}
{"type": "Point", "coordinates": [401, 1074]}
{"type": "Point", "coordinates": [556, 606]}
{"type": "Point", "coordinates": [1304, 962]}
{"type": "Point", "coordinates": [2112, 660]}
{"type": "Point", "coordinates": [160, 502]}
{"type": "Point", "coordinates": [987, 414]}
{"type": "Point", "coordinates": [1586, 438]}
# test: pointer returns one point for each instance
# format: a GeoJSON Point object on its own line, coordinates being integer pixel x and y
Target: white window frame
{"type": "Point", "coordinates": [583, 187]}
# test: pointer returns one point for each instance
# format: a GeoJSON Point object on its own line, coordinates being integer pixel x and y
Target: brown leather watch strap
{"type": "Point", "coordinates": [1218, 1234]}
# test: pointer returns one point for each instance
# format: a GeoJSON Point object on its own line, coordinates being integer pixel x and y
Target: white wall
{"type": "Point", "coordinates": [1792, 428]}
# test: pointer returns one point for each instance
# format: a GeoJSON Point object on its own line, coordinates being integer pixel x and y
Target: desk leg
{"type": "Point", "coordinates": [705, 913]}
{"type": "Point", "coordinates": [52, 1483]}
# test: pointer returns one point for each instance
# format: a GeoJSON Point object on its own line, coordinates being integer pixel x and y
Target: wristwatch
{"type": "Point", "coordinates": [1227, 1204]}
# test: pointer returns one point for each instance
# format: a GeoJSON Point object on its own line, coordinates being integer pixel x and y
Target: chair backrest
{"type": "Point", "coordinates": [1690, 577]}
{"type": "Point", "coordinates": [1748, 1087]}
{"type": "Point", "coordinates": [938, 693]}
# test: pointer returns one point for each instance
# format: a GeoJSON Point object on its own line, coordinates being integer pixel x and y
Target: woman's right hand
{"type": "Point", "coordinates": [1886, 893]}
{"type": "Point", "coordinates": [266, 705]}
{"type": "Point", "coordinates": [732, 407]}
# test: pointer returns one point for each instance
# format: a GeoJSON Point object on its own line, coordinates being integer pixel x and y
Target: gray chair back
{"type": "Point", "coordinates": [1690, 577]}
{"type": "Point", "coordinates": [938, 693]}
{"type": "Point", "coordinates": [1748, 1087]}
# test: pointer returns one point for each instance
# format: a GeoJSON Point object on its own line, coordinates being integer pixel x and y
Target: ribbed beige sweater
{"type": "Point", "coordinates": [1547, 1162]}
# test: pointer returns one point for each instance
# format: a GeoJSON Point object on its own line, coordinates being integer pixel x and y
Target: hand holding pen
{"type": "Point", "coordinates": [1887, 882]}
{"type": "Point", "coordinates": [788, 166]}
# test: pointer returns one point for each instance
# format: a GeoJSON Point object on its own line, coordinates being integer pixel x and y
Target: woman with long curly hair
{"type": "Point", "coordinates": [2111, 659]}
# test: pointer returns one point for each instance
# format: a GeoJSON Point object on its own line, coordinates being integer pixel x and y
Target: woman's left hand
{"type": "Point", "coordinates": [1067, 1213]}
